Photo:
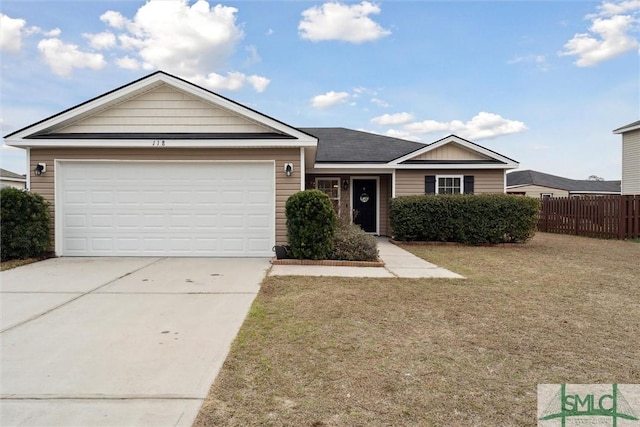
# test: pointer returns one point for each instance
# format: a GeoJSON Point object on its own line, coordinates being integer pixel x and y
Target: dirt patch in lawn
{"type": "Point", "coordinates": [327, 351]}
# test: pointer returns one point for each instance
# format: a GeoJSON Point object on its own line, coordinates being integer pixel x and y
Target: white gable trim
{"type": "Point", "coordinates": [143, 85]}
{"type": "Point", "coordinates": [161, 143]}
{"type": "Point", "coordinates": [508, 163]}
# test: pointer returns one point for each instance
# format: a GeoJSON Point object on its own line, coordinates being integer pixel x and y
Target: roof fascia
{"type": "Point", "coordinates": [467, 144]}
{"type": "Point", "coordinates": [388, 166]}
{"type": "Point", "coordinates": [626, 129]}
{"type": "Point", "coordinates": [160, 143]}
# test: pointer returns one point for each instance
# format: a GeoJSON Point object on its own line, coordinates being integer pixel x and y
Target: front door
{"type": "Point", "coordinates": [365, 212]}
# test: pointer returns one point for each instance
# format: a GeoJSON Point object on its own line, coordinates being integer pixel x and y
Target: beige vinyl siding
{"type": "Point", "coordinates": [451, 151]}
{"type": "Point", "coordinates": [164, 109]}
{"type": "Point", "coordinates": [537, 191]}
{"type": "Point", "coordinates": [285, 186]}
{"type": "Point", "coordinates": [411, 182]}
{"type": "Point", "coordinates": [385, 197]}
{"type": "Point", "coordinates": [631, 162]}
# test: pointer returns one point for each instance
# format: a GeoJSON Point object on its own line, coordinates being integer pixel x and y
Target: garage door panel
{"type": "Point", "coordinates": [166, 208]}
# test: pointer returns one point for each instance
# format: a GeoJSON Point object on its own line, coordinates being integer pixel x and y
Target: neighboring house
{"type": "Point", "coordinates": [540, 185]}
{"type": "Point", "coordinates": [12, 179]}
{"type": "Point", "coordinates": [630, 157]}
{"type": "Point", "coordinates": [162, 167]}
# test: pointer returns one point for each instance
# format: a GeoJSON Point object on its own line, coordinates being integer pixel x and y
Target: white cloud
{"type": "Point", "coordinates": [613, 32]}
{"type": "Point", "coordinates": [337, 21]}
{"type": "Point", "coordinates": [254, 57]}
{"type": "Point", "coordinates": [395, 133]}
{"type": "Point", "coordinates": [392, 119]}
{"type": "Point", "coordinates": [114, 19]}
{"type": "Point", "coordinates": [329, 99]}
{"type": "Point", "coordinates": [232, 81]}
{"type": "Point", "coordinates": [128, 63]}
{"type": "Point", "coordinates": [183, 39]}
{"type": "Point", "coordinates": [539, 61]}
{"type": "Point", "coordinates": [380, 103]}
{"type": "Point", "coordinates": [62, 58]}
{"type": "Point", "coordinates": [611, 9]}
{"type": "Point", "coordinates": [100, 41]}
{"type": "Point", "coordinates": [11, 33]}
{"type": "Point", "coordinates": [259, 83]}
{"type": "Point", "coordinates": [482, 126]}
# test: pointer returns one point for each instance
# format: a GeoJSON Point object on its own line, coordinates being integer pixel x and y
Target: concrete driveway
{"type": "Point", "coordinates": [118, 341]}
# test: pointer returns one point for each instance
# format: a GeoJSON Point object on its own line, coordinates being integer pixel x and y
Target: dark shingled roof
{"type": "Point", "coordinates": [529, 177]}
{"type": "Point", "coordinates": [340, 145]}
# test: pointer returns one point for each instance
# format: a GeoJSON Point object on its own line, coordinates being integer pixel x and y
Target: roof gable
{"type": "Point", "coordinates": [160, 106]}
{"type": "Point", "coordinates": [454, 150]}
{"type": "Point", "coordinates": [163, 109]}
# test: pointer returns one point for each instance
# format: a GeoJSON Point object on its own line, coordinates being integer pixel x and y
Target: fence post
{"type": "Point", "coordinates": [621, 219]}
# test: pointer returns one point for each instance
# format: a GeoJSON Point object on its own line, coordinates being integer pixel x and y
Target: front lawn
{"type": "Point", "coordinates": [335, 351]}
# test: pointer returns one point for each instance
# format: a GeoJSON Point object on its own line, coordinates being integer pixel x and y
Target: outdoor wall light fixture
{"type": "Point", "coordinates": [345, 185]}
{"type": "Point", "coordinates": [40, 169]}
{"type": "Point", "coordinates": [288, 169]}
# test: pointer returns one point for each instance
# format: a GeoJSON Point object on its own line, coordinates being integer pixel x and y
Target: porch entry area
{"type": "Point", "coordinates": [362, 199]}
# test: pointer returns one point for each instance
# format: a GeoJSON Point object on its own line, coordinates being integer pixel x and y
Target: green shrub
{"type": "Point", "coordinates": [473, 219]}
{"type": "Point", "coordinates": [352, 243]}
{"type": "Point", "coordinates": [24, 219]}
{"type": "Point", "coordinates": [311, 224]}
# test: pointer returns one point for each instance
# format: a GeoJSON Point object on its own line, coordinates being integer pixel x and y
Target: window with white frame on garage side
{"type": "Point", "coordinates": [449, 184]}
{"type": "Point", "coordinates": [331, 187]}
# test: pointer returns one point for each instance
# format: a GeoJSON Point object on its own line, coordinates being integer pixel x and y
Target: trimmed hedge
{"type": "Point", "coordinates": [24, 219]}
{"type": "Point", "coordinates": [472, 219]}
{"type": "Point", "coordinates": [311, 224]}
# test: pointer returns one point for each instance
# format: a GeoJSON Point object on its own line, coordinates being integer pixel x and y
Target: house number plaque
{"type": "Point", "coordinates": [157, 143]}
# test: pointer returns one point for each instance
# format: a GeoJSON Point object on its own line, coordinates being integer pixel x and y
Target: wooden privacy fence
{"type": "Point", "coordinates": [606, 217]}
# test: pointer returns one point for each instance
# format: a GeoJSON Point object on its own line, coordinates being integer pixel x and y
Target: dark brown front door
{"type": "Point", "coordinates": [365, 212]}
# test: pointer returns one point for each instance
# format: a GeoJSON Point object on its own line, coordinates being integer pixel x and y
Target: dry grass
{"type": "Point", "coordinates": [325, 352]}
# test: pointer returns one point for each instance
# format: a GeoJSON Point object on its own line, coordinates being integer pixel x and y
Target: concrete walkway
{"type": "Point", "coordinates": [398, 263]}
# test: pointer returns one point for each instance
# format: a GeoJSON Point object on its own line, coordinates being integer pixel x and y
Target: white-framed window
{"type": "Point", "coordinates": [544, 196]}
{"type": "Point", "coordinates": [331, 187]}
{"type": "Point", "coordinates": [449, 184]}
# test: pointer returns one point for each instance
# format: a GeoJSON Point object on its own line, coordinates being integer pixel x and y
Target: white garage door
{"type": "Point", "coordinates": [165, 209]}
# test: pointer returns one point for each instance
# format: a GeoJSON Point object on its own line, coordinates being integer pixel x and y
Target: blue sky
{"type": "Point", "coordinates": [542, 82]}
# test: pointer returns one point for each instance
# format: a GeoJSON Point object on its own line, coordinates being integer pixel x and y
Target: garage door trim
{"type": "Point", "coordinates": [58, 207]}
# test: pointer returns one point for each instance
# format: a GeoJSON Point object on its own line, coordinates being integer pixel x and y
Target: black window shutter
{"type": "Point", "coordinates": [430, 184]}
{"type": "Point", "coordinates": [468, 184]}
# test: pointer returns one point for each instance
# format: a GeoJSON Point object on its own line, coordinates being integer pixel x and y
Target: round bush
{"type": "Point", "coordinates": [352, 243]}
{"type": "Point", "coordinates": [24, 219]}
{"type": "Point", "coordinates": [311, 224]}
